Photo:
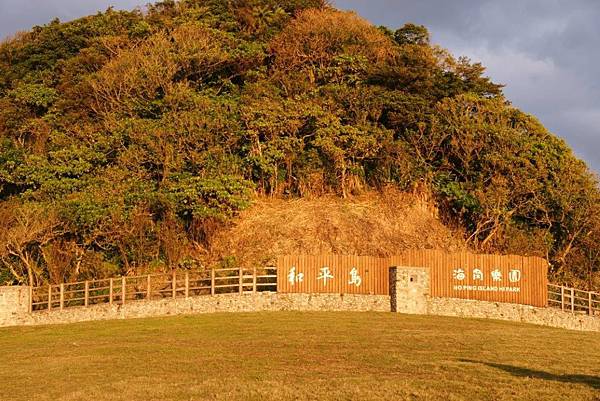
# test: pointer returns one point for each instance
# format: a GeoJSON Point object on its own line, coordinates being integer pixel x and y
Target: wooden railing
{"type": "Point", "coordinates": [185, 284]}
{"type": "Point", "coordinates": [573, 300]}
{"type": "Point", "coordinates": [153, 286]}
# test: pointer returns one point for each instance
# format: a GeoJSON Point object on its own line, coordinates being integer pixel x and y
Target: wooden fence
{"type": "Point", "coordinates": [153, 286]}
{"type": "Point", "coordinates": [573, 300]}
{"type": "Point", "coordinates": [512, 279]}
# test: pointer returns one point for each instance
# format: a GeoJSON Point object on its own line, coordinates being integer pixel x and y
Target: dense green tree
{"type": "Point", "coordinates": [128, 138]}
{"type": "Point", "coordinates": [411, 34]}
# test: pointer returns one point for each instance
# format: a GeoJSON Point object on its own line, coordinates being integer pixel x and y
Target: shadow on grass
{"type": "Point", "coordinates": [591, 381]}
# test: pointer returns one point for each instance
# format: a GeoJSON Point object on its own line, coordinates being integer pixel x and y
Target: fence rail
{"type": "Point", "coordinates": [178, 284]}
{"type": "Point", "coordinates": [573, 300]}
{"type": "Point", "coordinates": [185, 284]}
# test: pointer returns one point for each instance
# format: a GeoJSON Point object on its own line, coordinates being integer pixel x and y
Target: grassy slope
{"type": "Point", "coordinates": [299, 356]}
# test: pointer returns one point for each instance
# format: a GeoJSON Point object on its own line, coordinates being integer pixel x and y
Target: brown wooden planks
{"type": "Point", "coordinates": [496, 278]}
{"type": "Point", "coordinates": [312, 274]}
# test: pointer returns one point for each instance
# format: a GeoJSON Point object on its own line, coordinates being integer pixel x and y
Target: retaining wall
{"type": "Point", "coordinates": [409, 295]}
{"type": "Point", "coordinates": [14, 303]}
{"type": "Point", "coordinates": [512, 312]}
{"type": "Point", "coordinates": [261, 301]}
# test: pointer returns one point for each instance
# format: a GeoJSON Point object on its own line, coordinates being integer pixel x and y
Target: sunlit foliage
{"type": "Point", "coordinates": [128, 138]}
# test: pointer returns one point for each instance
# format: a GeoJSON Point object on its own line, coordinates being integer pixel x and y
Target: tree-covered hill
{"type": "Point", "coordinates": [127, 139]}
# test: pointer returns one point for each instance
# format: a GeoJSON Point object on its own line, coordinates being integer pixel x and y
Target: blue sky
{"type": "Point", "coordinates": [545, 51]}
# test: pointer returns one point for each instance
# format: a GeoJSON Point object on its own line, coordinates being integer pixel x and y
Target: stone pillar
{"type": "Point", "coordinates": [14, 301]}
{"type": "Point", "coordinates": [409, 289]}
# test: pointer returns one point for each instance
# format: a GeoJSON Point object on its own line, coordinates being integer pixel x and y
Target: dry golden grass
{"type": "Point", "coordinates": [376, 224]}
{"type": "Point", "coordinates": [299, 356]}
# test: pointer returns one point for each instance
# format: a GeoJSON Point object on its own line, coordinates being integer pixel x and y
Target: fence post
{"type": "Point", "coordinates": [49, 296]}
{"type": "Point", "coordinates": [174, 283]}
{"type": "Point", "coordinates": [187, 285]}
{"type": "Point", "coordinates": [149, 288]}
{"type": "Point", "coordinates": [254, 280]}
{"type": "Point", "coordinates": [241, 280]}
{"type": "Point", "coordinates": [572, 300]}
{"type": "Point", "coordinates": [30, 297]}
{"type": "Point", "coordinates": [562, 297]}
{"type": "Point", "coordinates": [62, 296]}
{"type": "Point", "coordinates": [123, 290]}
{"type": "Point", "coordinates": [212, 281]}
{"type": "Point", "coordinates": [590, 310]}
{"type": "Point", "coordinates": [110, 291]}
{"type": "Point", "coordinates": [87, 293]}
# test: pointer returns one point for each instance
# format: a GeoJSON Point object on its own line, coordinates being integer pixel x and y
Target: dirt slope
{"type": "Point", "coordinates": [377, 224]}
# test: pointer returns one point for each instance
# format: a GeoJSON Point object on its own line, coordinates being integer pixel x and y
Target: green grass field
{"type": "Point", "coordinates": [299, 356]}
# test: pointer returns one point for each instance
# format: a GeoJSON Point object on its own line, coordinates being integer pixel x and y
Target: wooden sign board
{"type": "Point", "coordinates": [497, 278]}
{"type": "Point", "coordinates": [333, 274]}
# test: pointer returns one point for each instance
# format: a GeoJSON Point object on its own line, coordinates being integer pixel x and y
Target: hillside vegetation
{"type": "Point", "coordinates": [130, 140]}
{"type": "Point", "coordinates": [299, 356]}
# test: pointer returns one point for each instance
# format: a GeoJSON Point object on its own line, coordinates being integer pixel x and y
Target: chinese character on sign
{"type": "Point", "coordinates": [514, 275]}
{"type": "Point", "coordinates": [497, 275]}
{"type": "Point", "coordinates": [355, 277]}
{"type": "Point", "coordinates": [325, 275]}
{"type": "Point", "coordinates": [477, 274]}
{"type": "Point", "coordinates": [295, 278]}
{"type": "Point", "coordinates": [459, 274]}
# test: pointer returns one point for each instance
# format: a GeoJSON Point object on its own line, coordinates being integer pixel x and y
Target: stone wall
{"type": "Point", "coordinates": [512, 312]}
{"type": "Point", "coordinates": [409, 295]}
{"type": "Point", "coordinates": [262, 301]}
{"type": "Point", "coordinates": [14, 301]}
{"type": "Point", "coordinates": [409, 289]}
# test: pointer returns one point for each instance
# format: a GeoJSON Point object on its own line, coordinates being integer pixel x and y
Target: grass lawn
{"type": "Point", "coordinates": [299, 356]}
